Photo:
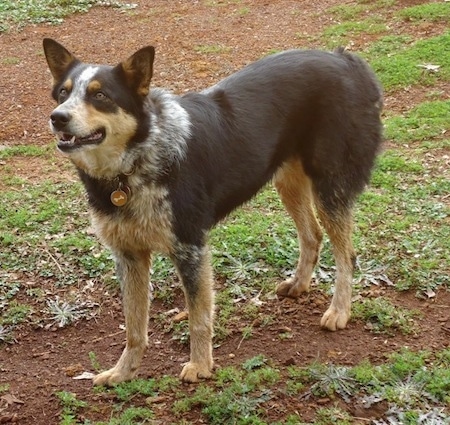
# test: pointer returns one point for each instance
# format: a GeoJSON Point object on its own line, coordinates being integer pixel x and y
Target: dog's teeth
{"type": "Point", "coordinates": [72, 140]}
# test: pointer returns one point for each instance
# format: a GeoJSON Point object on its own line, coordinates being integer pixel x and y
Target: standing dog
{"type": "Point", "coordinates": [161, 170]}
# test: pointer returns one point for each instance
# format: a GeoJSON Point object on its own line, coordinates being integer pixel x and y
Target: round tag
{"type": "Point", "coordinates": [119, 198]}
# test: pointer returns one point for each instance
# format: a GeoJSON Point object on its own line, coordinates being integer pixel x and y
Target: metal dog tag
{"type": "Point", "coordinates": [120, 196]}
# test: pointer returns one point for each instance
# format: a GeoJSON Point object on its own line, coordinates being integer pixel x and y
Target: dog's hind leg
{"type": "Point", "coordinates": [339, 226]}
{"type": "Point", "coordinates": [194, 267]}
{"type": "Point", "coordinates": [295, 190]}
{"type": "Point", "coordinates": [133, 273]}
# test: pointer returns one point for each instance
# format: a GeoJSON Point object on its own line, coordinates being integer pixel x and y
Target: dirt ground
{"type": "Point", "coordinates": [42, 362]}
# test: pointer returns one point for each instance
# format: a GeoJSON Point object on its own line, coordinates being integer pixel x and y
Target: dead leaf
{"type": "Point", "coordinates": [430, 67]}
{"type": "Point", "coordinates": [430, 293]}
{"type": "Point", "coordinates": [180, 317]}
{"type": "Point", "coordinates": [11, 399]}
{"type": "Point", "coordinates": [84, 375]}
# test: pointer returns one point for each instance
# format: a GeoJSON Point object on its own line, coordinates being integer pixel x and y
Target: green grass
{"type": "Point", "coordinates": [381, 316]}
{"type": "Point", "coordinates": [412, 383]}
{"type": "Point", "coordinates": [432, 12]}
{"type": "Point", "coordinates": [340, 34]}
{"type": "Point", "coordinates": [17, 13]}
{"type": "Point", "coordinates": [422, 123]}
{"type": "Point", "coordinates": [25, 150]}
{"type": "Point", "coordinates": [211, 49]}
{"type": "Point", "coordinates": [350, 12]}
{"type": "Point", "coordinates": [400, 63]}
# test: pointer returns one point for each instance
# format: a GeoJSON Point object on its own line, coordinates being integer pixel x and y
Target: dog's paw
{"type": "Point", "coordinates": [111, 377]}
{"type": "Point", "coordinates": [291, 288]}
{"type": "Point", "coordinates": [194, 372]}
{"type": "Point", "coordinates": [334, 319]}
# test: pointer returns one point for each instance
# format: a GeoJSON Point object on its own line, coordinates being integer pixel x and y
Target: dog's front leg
{"type": "Point", "coordinates": [194, 267]}
{"type": "Point", "coordinates": [133, 273]}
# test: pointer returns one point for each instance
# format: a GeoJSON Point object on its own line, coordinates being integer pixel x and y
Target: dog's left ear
{"type": "Point", "coordinates": [138, 70]}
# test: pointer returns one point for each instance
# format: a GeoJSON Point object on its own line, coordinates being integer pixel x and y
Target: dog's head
{"type": "Point", "coordinates": [99, 107]}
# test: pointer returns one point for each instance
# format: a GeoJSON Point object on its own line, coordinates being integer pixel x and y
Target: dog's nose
{"type": "Point", "coordinates": [60, 119]}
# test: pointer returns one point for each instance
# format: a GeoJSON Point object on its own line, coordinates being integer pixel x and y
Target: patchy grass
{"type": "Point", "coordinates": [432, 12]}
{"type": "Point", "coordinates": [350, 12]}
{"type": "Point", "coordinates": [208, 49]}
{"type": "Point", "coordinates": [424, 122]}
{"type": "Point", "coordinates": [341, 34]}
{"type": "Point", "coordinates": [17, 13]}
{"type": "Point", "coordinates": [400, 64]}
{"type": "Point", "coordinates": [381, 316]}
{"type": "Point", "coordinates": [412, 384]}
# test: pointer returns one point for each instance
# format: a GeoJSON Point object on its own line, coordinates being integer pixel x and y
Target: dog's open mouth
{"type": "Point", "coordinates": [67, 141]}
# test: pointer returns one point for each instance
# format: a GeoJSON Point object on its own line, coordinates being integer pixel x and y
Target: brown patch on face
{"type": "Point", "coordinates": [94, 86]}
{"type": "Point", "coordinates": [106, 159]}
{"type": "Point", "coordinates": [68, 84]}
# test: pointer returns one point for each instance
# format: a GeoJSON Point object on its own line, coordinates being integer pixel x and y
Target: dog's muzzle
{"type": "Point", "coordinates": [67, 140]}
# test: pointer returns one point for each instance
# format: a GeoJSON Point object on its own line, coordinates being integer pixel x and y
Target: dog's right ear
{"type": "Point", "coordinates": [59, 59]}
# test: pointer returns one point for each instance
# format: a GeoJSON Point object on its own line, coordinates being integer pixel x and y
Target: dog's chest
{"type": "Point", "coordinates": [143, 224]}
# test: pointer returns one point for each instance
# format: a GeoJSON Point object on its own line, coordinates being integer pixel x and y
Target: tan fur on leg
{"type": "Point", "coordinates": [133, 270]}
{"type": "Point", "coordinates": [294, 188]}
{"type": "Point", "coordinates": [339, 228]}
{"type": "Point", "coordinates": [201, 315]}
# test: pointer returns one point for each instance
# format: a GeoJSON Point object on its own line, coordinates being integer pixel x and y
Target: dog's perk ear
{"type": "Point", "coordinates": [138, 70]}
{"type": "Point", "coordinates": [59, 59]}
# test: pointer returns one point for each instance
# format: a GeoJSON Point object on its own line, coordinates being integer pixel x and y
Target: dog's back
{"type": "Point", "coordinates": [321, 107]}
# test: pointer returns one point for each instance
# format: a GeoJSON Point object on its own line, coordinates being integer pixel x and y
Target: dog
{"type": "Point", "coordinates": [160, 170]}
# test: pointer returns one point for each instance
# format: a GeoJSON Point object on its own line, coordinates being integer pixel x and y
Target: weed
{"type": "Point", "coordinates": [254, 363]}
{"type": "Point", "coordinates": [6, 334]}
{"type": "Point", "coordinates": [331, 416]}
{"type": "Point", "coordinates": [383, 317]}
{"type": "Point", "coordinates": [243, 11]}
{"type": "Point", "coordinates": [131, 416]}
{"type": "Point", "coordinates": [10, 61]}
{"type": "Point", "coordinates": [64, 313]}
{"type": "Point", "coordinates": [15, 314]}
{"type": "Point", "coordinates": [126, 390]}
{"type": "Point", "coordinates": [329, 380]}
{"type": "Point", "coordinates": [70, 406]}
{"type": "Point", "coordinates": [24, 150]}
{"type": "Point", "coordinates": [339, 34]}
{"type": "Point", "coordinates": [94, 361]}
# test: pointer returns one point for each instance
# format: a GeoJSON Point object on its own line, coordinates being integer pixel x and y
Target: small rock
{"type": "Point", "coordinates": [289, 362]}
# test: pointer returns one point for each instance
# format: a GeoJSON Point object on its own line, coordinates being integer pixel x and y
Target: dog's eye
{"type": "Point", "coordinates": [62, 95]}
{"type": "Point", "coordinates": [100, 96]}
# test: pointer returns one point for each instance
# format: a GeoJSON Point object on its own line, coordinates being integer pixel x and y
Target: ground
{"type": "Point", "coordinates": [183, 32]}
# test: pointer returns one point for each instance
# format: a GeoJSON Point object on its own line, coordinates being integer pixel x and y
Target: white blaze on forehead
{"type": "Point", "coordinates": [82, 81]}
{"type": "Point", "coordinates": [74, 104]}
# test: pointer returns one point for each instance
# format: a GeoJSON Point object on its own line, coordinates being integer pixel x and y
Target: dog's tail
{"type": "Point", "coordinates": [360, 68]}
{"type": "Point", "coordinates": [350, 159]}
